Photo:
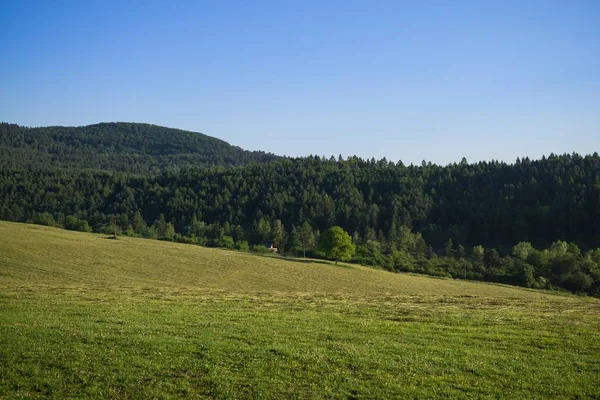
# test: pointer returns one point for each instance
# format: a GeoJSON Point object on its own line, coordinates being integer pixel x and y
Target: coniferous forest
{"type": "Point", "coordinates": [533, 223]}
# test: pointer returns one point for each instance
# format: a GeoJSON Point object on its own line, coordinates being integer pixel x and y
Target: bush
{"type": "Point", "coordinates": [109, 229]}
{"type": "Point", "coordinates": [45, 218]}
{"type": "Point", "coordinates": [186, 239]}
{"type": "Point", "coordinates": [242, 246]}
{"type": "Point", "coordinates": [150, 233]}
{"type": "Point", "coordinates": [370, 254]}
{"type": "Point", "coordinates": [579, 282]}
{"type": "Point", "coordinates": [525, 275]}
{"type": "Point", "coordinates": [259, 249]}
{"type": "Point", "coordinates": [226, 241]}
{"type": "Point", "coordinates": [402, 261]}
{"type": "Point", "coordinates": [73, 223]}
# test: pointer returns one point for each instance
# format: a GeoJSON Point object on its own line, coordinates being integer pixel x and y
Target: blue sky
{"type": "Point", "coordinates": [410, 81]}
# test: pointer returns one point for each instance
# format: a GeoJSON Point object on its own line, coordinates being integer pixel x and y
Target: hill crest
{"type": "Point", "coordinates": [118, 146]}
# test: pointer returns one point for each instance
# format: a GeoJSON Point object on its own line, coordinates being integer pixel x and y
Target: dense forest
{"type": "Point", "coordinates": [127, 147]}
{"type": "Point", "coordinates": [534, 223]}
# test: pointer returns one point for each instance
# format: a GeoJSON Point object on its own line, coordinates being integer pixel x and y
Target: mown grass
{"type": "Point", "coordinates": [86, 317]}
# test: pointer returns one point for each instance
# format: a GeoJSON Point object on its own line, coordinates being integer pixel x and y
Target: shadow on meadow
{"type": "Point", "coordinates": [314, 261]}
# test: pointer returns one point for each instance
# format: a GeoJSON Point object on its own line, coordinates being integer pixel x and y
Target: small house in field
{"type": "Point", "coordinates": [273, 249]}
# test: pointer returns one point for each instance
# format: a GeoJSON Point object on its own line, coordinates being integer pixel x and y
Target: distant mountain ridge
{"type": "Point", "coordinates": [118, 146]}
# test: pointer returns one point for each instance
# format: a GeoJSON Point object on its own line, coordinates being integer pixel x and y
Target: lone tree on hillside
{"type": "Point", "coordinates": [307, 237]}
{"type": "Point", "coordinates": [336, 243]}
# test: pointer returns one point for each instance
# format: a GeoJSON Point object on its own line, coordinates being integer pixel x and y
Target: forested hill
{"type": "Point", "coordinates": [534, 222]}
{"type": "Point", "coordinates": [489, 203]}
{"type": "Point", "coordinates": [127, 147]}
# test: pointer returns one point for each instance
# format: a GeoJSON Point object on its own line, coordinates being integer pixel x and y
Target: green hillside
{"type": "Point", "coordinates": [532, 223]}
{"type": "Point", "coordinates": [37, 256]}
{"type": "Point", "coordinates": [117, 146]}
{"type": "Point", "coordinates": [84, 316]}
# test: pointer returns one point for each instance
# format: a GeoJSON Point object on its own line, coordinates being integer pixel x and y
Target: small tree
{"type": "Point", "coordinates": [45, 218]}
{"type": "Point", "coordinates": [139, 225]}
{"type": "Point", "coordinates": [449, 249]}
{"type": "Point", "coordinates": [461, 252]}
{"type": "Point", "coordinates": [114, 228]}
{"type": "Point", "coordinates": [522, 250]}
{"type": "Point", "coordinates": [164, 230]}
{"type": "Point", "coordinates": [278, 233]}
{"type": "Point", "coordinates": [262, 230]}
{"type": "Point", "coordinates": [337, 244]}
{"type": "Point", "coordinates": [242, 245]}
{"type": "Point", "coordinates": [525, 275]}
{"type": "Point", "coordinates": [227, 242]}
{"type": "Point", "coordinates": [169, 233]}
{"type": "Point", "coordinates": [307, 237]}
{"type": "Point", "coordinates": [477, 254]}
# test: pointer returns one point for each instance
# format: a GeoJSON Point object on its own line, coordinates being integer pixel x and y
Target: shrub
{"type": "Point", "coordinates": [259, 249]}
{"type": "Point", "coordinates": [73, 223]}
{"type": "Point", "coordinates": [242, 246]}
{"type": "Point", "coordinates": [226, 241]}
{"type": "Point", "coordinates": [45, 218]}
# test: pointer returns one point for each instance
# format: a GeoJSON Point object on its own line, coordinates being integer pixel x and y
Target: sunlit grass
{"type": "Point", "coordinates": [86, 317]}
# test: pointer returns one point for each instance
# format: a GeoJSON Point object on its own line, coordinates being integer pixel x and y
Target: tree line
{"type": "Point", "coordinates": [533, 223]}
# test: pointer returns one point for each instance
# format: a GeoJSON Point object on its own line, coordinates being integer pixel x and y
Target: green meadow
{"type": "Point", "coordinates": [85, 316]}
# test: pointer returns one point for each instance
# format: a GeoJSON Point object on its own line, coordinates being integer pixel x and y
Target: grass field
{"type": "Point", "coordinates": [82, 316]}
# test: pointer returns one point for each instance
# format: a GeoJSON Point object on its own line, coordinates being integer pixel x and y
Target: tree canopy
{"type": "Point", "coordinates": [337, 244]}
{"type": "Point", "coordinates": [489, 220]}
{"type": "Point", "coordinates": [117, 146]}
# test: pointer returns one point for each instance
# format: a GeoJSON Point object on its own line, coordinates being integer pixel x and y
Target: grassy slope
{"type": "Point", "coordinates": [84, 316]}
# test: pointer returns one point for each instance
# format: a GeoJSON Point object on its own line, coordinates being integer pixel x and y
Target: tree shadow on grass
{"type": "Point", "coordinates": [314, 261]}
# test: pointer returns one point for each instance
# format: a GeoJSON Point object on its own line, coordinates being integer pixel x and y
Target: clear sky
{"type": "Point", "coordinates": [405, 80]}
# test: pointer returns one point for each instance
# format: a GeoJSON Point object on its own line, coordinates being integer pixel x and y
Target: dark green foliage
{"type": "Point", "coordinates": [578, 282]}
{"type": "Point", "coordinates": [278, 233]}
{"type": "Point", "coordinates": [523, 273]}
{"type": "Point", "coordinates": [259, 249]}
{"type": "Point", "coordinates": [242, 246]}
{"type": "Point", "coordinates": [119, 146]}
{"type": "Point", "coordinates": [164, 230]}
{"type": "Point", "coordinates": [306, 238]}
{"type": "Point", "coordinates": [480, 221]}
{"type": "Point", "coordinates": [226, 242]}
{"type": "Point", "coordinates": [449, 249]}
{"type": "Point", "coordinates": [44, 218]}
{"type": "Point", "coordinates": [75, 224]}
